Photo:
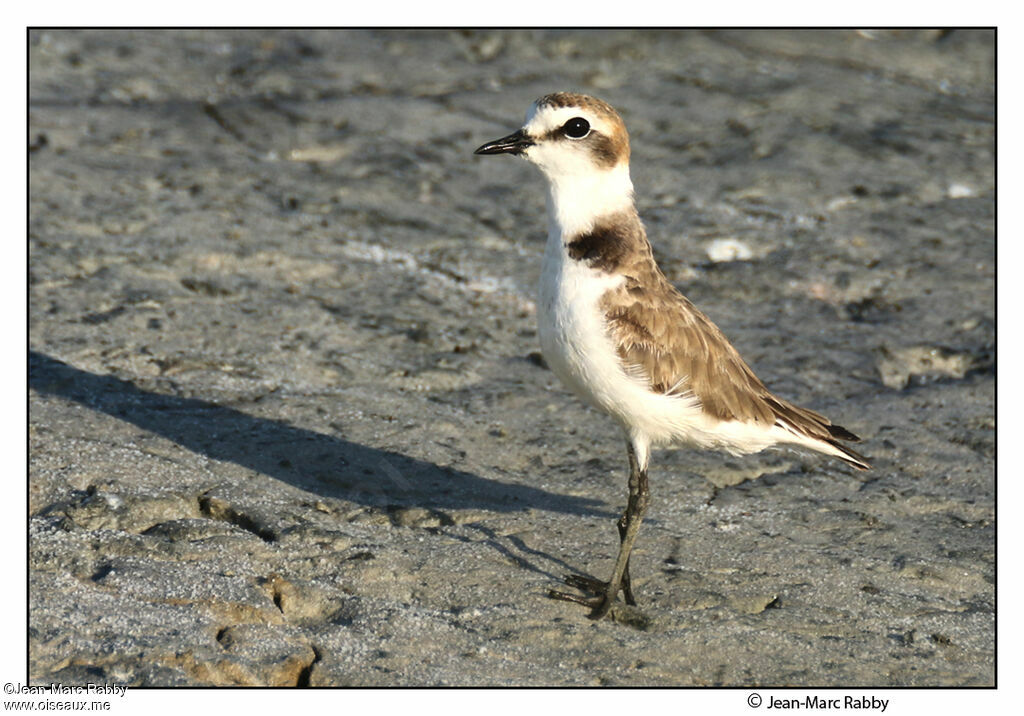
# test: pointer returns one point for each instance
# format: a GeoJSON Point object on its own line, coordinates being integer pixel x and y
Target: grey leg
{"type": "Point", "coordinates": [628, 525]}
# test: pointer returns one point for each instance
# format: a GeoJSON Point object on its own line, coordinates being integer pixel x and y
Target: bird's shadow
{"type": "Point", "coordinates": [320, 464]}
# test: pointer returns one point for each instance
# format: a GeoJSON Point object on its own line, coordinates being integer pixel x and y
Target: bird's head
{"type": "Point", "coordinates": [568, 135]}
{"type": "Point", "coordinates": [581, 145]}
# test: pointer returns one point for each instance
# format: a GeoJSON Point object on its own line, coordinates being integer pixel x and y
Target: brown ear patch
{"type": "Point", "coordinates": [606, 151]}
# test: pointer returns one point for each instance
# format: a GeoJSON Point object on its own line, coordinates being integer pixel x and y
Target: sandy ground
{"type": "Point", "coordinates": [288, 419]}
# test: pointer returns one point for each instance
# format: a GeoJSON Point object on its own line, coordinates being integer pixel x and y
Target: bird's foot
{"type": "Point", "coordinates": [600, 600]}
{"type": "Point", "coordinates": [596, 586]}
{"type": "Point", "coordinates": [599, 605]}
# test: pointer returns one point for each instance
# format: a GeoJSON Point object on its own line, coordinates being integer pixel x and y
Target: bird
{"type": "Point", "coordinates": [620, 336]}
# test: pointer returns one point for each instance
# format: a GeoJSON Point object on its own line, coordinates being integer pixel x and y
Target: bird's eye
{"type": "Point", "coordinates": [577, 128]}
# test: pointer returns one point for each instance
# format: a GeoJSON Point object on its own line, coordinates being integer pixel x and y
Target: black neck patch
{"type": "Point", "coordinates": [604, 248]}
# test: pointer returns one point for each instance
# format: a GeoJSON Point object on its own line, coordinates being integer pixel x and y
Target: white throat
{"type": "Point", "coordinates": [576, 201]}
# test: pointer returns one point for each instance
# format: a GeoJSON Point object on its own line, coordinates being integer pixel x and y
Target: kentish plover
{"type": "Point", "coordinates": [618, 334]}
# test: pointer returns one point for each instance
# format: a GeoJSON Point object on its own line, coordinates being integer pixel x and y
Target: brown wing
{"type": "Point", "coordinates": [658, 331]}
{"type": "Point", "coordinates": [678, 349]}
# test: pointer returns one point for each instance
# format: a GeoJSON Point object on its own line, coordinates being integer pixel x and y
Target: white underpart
{"type": "Point", "coordinates": [574, 334]}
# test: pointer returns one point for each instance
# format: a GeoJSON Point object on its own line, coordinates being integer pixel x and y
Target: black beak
{"type": "Point", "coordinates": [515, 143]}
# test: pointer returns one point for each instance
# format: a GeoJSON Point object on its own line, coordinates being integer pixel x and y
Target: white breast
{"type": "Point", "coordinates": [573, 334]}
{"type": "Point", "coordinates": [578, 347]}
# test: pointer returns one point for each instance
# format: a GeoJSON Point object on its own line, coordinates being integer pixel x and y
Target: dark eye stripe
{"type": "Point", "coordinates": [601, 147]}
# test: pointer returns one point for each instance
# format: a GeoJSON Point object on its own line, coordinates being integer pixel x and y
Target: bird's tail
{"type": "Point", "coordinates": [851, 457]}
{"type": "Point", "coordinates": [817, 432]}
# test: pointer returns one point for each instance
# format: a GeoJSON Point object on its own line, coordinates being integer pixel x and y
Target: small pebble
{"type": "Point", "coordinates": [960, 191]}
{"type": "Point", "coordinates": [721, 250]}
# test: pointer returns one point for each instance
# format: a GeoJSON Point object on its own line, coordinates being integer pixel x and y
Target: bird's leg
{"type": "Point", "coordinates": [629, 526]}
{"type": "Point", "coordinates": [624, 521]}
{"type": "Point", "coordinates": [596, 586]}
{"type": "Point", "coordinates": [627, 587]}
{"type": "Point", "coordinates": [639, 496]}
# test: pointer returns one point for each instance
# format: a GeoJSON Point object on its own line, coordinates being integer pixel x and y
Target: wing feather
{"type": "Point", "coordinates": [663, 337]}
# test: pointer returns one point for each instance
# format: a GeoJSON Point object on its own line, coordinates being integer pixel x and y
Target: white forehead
{"type": "Point", "coordinates": [541, 119]}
